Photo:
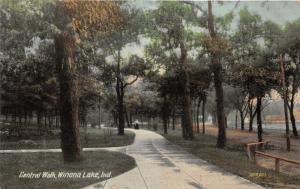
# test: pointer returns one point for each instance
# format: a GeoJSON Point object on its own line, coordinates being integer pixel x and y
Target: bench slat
{"type": "Point", "coordinates": [256, 143]}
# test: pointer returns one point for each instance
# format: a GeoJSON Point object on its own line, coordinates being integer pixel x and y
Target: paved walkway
{"type": "Point", "coordinates": [162, 165]}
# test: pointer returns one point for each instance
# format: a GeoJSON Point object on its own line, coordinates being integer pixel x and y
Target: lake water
{"type": "Point", "coordinates": [270, 126]}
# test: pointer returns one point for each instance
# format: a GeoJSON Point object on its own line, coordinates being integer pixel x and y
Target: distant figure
{"type": "Point", "coordinates": [136, 124]}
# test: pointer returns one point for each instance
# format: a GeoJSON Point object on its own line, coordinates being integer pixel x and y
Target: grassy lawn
{"type": "Point", "coordinates": [91, 138]}
{"type": "Point", "coordinates": [13, 164]}
{"type": "Point", "coordinates": [232, 159]}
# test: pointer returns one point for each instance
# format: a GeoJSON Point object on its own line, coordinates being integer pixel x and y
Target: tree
{"type": "Point", "coordinates": [28, 74]}
{"type": "Point", "coordinates": [215, 44]}
{"type": "Point", "coordinates": [259, 77]}
{"type": "Point", "coordinates": [238, 97]}
{"type": "Point", "coordinates": [288, 44]}
{"type": "Point", "coordinates": [75, 19]}
{"type": "Point", "coordinates": [171, 32]}
{"type": "Point", "coordinates": [245, 45]}
{"type": "Point", "coordinates": [200, 83]}
{"type": "Point", "coordinates": [125, 70]}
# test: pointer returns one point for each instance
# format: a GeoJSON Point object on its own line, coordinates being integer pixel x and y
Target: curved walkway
{"type": "Point", "coordinates": [162, 165]}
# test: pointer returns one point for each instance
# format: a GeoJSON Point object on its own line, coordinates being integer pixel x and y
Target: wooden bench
{"type": "Point", "coordinates": [256, 144]}
{"type": "Point", "coordinates": [277, 159]}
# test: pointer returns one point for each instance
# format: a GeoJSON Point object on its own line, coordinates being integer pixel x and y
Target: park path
{"type": "Point", "coordinates": [162, 165]}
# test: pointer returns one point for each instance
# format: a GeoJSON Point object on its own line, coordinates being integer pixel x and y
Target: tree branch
{"type": "Point", "coordinates": [193, 4]}
{"type": "Point", "coordinates": [130, 83]}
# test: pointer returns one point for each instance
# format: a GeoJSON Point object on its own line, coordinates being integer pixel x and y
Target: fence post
{"type": "Point", "coordinates": [277, 165]}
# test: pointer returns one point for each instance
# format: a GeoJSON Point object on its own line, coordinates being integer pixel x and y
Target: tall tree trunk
{"type": "Point", "coordinates": [291, 107]}
{"type": "Point", "coordinates": [69, 102]}
{"type": "Point", "coordinates": [285, 104]}
{"type": "Point", "coordinates": [165, 116]}
{"type": "Point", "coordinates": [242, 120]}
{"type": "Point", "coordinates": [120, 97]}
{"type": "Point", "coordinates": [259, 122]}
{"type": "Point", "coordinates": [252, 114]}
{"type": "Point", "coordinates": [173, 120]}
{"type": "Point", "coordinates": [293, 121]}
{"type": "Point", "coordinates": [203, 114]}
{"type": "Point", "coordinates": [127, 117]}
{"type": "Point", "coordinates": [183, 128]}
{"type": "Point", "coordinates": [217, 71]}
{"type": "Point", "coordinates": [187, 103]}
{"type": "Point", "coordinates": [99, 109]}
{"type": "Point", "coordinates": [197, 114]}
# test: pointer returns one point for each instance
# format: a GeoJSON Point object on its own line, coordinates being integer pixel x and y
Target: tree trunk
{"type": "Point", "coordinates": [165, 115]}
{"type": "Point", "coordinates": [251, 114]}
{"type": "Point", "coordinates": [285, 104]}
{"type": "Point", "coordinates": [197, 114]}
{"type": "Point", "coordinates": [242, 120]}
{"type": "Point", "coordinates": [184, 135]}
{"type": "Point", "coordinates": [70, 137]}
{"type": "Point", "coordinates": [203, 114]}
{"type": "Point", "coordinates": [120, 97]}
{"type": "Point", "coordinates": [187, 103]}
{"type": "Point", "coordinates": [217, 71]}
{"type": "Point", "coordinates": [173, 120]}
{"type": "Point", "coordinates": [165, 125]}
{"type": "Point", "coordinates": [121, 120]}
{"type": "Point", "coordinates": [293, 121]}
{"type": "Point", "coordinates": [259, 122]}
{"type": "Point", "coordinates": [291, 107]}
{"type": "Point", "coordinates": [99, 109]}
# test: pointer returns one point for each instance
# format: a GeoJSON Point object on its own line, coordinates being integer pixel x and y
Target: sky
{"type": "Point", "coordinates": [276, 11]}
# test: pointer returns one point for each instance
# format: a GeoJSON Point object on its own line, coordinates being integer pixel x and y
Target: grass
{"type": "Point", "coordinates": [13, 164]}
{"type": "Point", "coordinates": [233, 159]}
{"type": "Point", "coordinates": [91, 138]}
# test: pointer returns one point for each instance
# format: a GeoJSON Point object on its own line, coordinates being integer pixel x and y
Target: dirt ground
{"type": "Point", "coordinates": [277, 146]}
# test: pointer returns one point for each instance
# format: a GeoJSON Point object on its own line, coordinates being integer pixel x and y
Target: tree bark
{"type": "Point", "coordinates": [184, 135]}
{"type": "Point", "coordinates": [259, 122]}
{"type": "Point", "coordinates": [242, 120]}
{"type": "Point", "coordinates": [251, 114]}
{"type": "Point", "coordinates": [217, 71]}
{"type": "Point", "coordinates": [70, 138]}
{"type": "Point", "coordinates": [285, 104]}
{"type": "Point", "coordinates": [173, 120]}
{"type": "Point", "coordinates": [197, 114]}
{"type": "Point", "coordinates": [120, 97]}
{"type": "Point", "coordinates": [187, 103]}
{"type": "Point", "coordinates": [165, 115]}
{"type": "Point", "coordinates": [203, 114]}
{"type": "Point", "coordinates": [99, 109]}
{"type": "Point", "coordinates": [291, 107]}
{"type": "Point", "coordinates": [293, 121]}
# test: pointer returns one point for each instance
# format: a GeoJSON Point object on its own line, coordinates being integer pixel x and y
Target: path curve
{"type": "Point", "coordinates": [162, 165]}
